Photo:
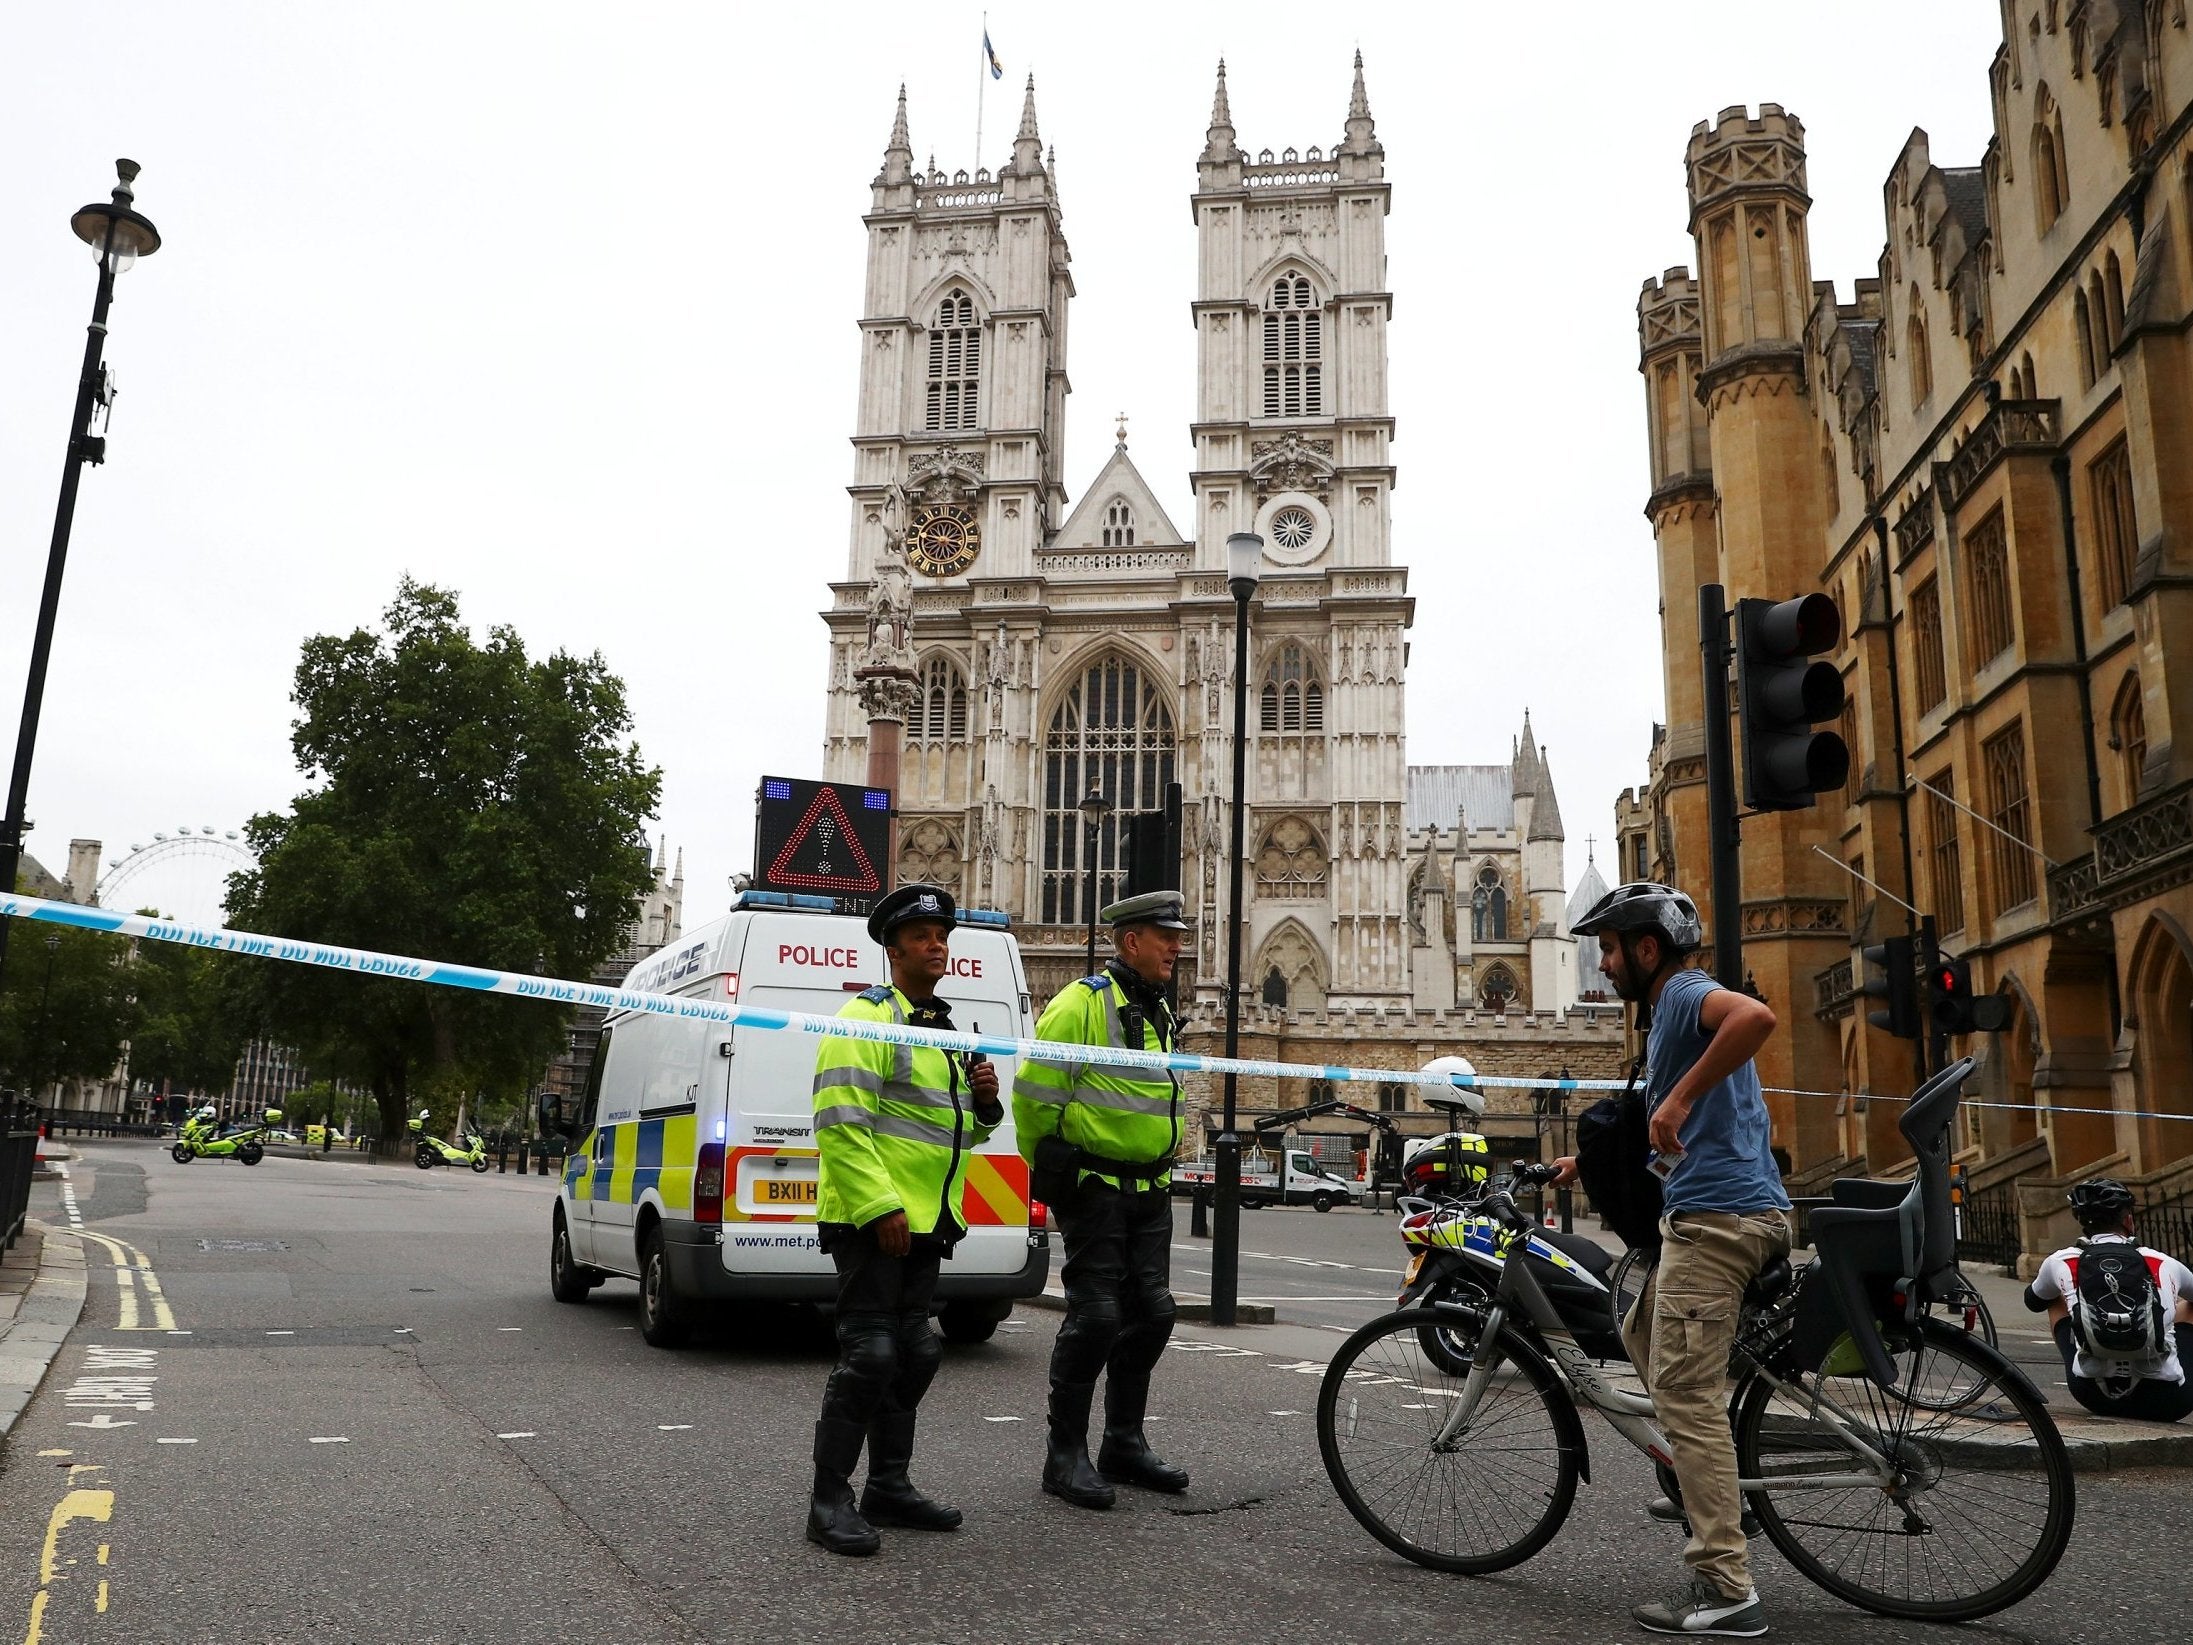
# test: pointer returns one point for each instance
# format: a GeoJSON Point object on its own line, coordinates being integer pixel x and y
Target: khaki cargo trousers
{"type": "Point", "coordinates": [1679, 1334]}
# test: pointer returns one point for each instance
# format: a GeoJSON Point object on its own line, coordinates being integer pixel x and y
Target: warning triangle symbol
{"type": "Point", "coordinates": [824, 853]}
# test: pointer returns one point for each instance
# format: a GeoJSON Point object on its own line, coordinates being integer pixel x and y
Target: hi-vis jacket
{"type": "Point", "coordinates": [1126, 1114]}
{"type": "Point", "coordinates": [894, 1125]}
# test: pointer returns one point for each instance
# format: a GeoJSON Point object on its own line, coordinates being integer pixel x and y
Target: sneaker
{"type": "Point", "coordinates": [1698, 1607]}
{"type": "Point", "coordinates": [1669, 1512]}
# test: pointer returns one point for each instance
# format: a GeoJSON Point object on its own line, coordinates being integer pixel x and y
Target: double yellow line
{"type": "Point", "coordinates": [138, 1285]}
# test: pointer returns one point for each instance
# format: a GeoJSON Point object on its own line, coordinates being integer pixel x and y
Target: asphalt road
{"type": "Point", "coordinates": [361, 1418]}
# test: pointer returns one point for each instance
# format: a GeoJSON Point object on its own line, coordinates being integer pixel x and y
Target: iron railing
{"type": "Point", "coordinates": [18, 1158]}
{"type": "Point", "coordinates": [1987, 1227]}
{"type": "Point", "coordinates": [2166, 1224]}
{"type": "Point", "coordinates": [1833, 990]}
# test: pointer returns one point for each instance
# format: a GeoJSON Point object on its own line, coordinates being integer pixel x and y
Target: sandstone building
{"type": "Point", "coordinates": [1034, 647]}
{"type": "Point", "coordinates": [1983, 456]}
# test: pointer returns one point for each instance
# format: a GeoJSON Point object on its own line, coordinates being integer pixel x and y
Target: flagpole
{"type": "Point", "coordinates": [982, 84]}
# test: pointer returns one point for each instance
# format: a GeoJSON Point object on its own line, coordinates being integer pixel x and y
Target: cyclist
{"type": "Point", "coordinates": [2147, 1380]}
{"type": "Point", "coordinates": [1725, 1218]}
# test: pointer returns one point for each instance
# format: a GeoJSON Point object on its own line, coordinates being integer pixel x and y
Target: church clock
{"type": "Point", "coordinates": [944, 540]}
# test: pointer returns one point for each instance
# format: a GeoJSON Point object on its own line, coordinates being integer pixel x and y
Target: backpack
{"type": "Point", "coordinates": [1613, 1148]}
{"type": "Point", "coordinates": [2117, 1308]}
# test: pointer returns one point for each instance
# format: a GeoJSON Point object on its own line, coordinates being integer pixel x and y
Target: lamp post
{"type": "Point", "coordinates": [45, 990]}
{"type": "Point", "coordinates": [1244, 557]}
{"type": "Point", "coordinates": [120, 236]}
{"type": "Point", "coordinates": [1094, 809]}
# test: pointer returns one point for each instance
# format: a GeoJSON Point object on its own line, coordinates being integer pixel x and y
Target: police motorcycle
{"type": "Point", "coordinates": [432, 1151]}
{"type": "Point", "coordinates": [202, 1137]}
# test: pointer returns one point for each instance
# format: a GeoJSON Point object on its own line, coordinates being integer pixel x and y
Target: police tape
{"type": "Point", "coordinates": [479, 979]}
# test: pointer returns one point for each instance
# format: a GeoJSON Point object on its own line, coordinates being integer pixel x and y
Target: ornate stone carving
{"type": "Point", "coordinates": [945, 475]}
{"type": "Point", "coordinates": [929, 850]}
{"type": "Point", "coordinates": [1291, 861]}
{"type": "Point", "coordinates": [886, 693]}
{"type": "Point", "coordinates": [1291, 463]}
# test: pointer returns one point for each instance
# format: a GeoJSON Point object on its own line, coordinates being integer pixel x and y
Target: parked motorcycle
{"type": "Point", "coordinates": [202, 1137]}
{"type": "Point", "coordinates": [432, 1151]}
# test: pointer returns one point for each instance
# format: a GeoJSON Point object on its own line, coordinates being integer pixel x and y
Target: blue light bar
{"type": "Point", "coordinates": [876, 799]}
{"type": "Point", "coordinates": [775, 788]}
{"type": "Point", "coordinates": [986, 916]}
{"type": "Point", "coordinates": [782, 899]}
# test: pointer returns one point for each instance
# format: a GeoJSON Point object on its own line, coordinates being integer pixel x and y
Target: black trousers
{"type": "Point", "coordinates": [887, 1351]}
{"type": "Point", "coordinates": [2145, 1400]}
{"type": "Point", "coordinates": [1119, 1300]}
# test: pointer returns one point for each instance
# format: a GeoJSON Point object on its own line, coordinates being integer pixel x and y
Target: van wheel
{"type": "Point", "coordinates": [664, 1319]}
{"type": "Point", "coordinates": [1321, 1202]}
{"type": "Point", "coordinates": [968, 1322]}
{"type": "Point", "coordinates": [567, 1281]}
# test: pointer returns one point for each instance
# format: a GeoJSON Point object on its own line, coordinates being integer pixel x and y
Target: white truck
{"type": "Point", "coordinates": [693, 1166]}
{"type": "Point", "coordinates": [1290, 1177]}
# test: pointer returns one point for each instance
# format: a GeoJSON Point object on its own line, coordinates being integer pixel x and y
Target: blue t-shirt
{"type": "Point", "coordinates": [1726, 1163]}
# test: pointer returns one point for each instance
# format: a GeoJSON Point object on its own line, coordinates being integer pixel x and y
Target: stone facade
{"type": "Point", "coordinates": [1053, 651]}
{"type": "Point", "coordinates": [1983, 456]}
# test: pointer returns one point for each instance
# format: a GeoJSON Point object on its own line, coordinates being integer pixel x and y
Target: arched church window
{"type": "Point", "coordinates": [1275, 988]}
{"type": "Point", "coordinates": [1119, 525]}
{"type": "Point", "coordinates": [2051, 173]}
{"type": "Point", "coordinates": [1111, 732]}
{"type": "Point", "coordinates": [1294, 350]}
{"type": "Point", "coordinates": [955, 364]}
{"type": "Point", "coordinates": [1292, 698]}
{"type": "Point", "coordinates": [1489, 907]}
{"type": "Point", "coordinates": [2128, 736]}
{"type": "Point", "coordinates": [1498, 990]}
{"type": "Point", "coordinates": [940, 715]}
{"type": "Point", "coordinates": [1291, 861]}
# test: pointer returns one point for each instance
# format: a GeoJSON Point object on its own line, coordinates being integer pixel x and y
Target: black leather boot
{"type": "Point", "coordinates": [889, 1497]}
{"type": "Point", "coordinates": [1125, 1456]}
{"type": "Point", "coordinates": [833, 1522]}
{"type": "Point", "coordinates": [1068, 1474]}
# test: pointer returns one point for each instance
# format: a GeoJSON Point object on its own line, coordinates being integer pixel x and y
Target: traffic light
{"type": "Point", "coordinates": [1956, 1009]}
{"type": "Point", "coordinates": [1898, 985]}
{"type": "Point", "coordinates": [1782, 692]}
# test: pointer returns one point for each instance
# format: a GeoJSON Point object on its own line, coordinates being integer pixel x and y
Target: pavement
{"type": "Point", "coordinates": [305, 1403]}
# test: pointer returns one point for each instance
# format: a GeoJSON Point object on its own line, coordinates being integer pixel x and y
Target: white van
{"type": "Point", "coordinates": [693, 1165]}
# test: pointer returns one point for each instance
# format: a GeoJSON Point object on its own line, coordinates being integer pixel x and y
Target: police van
{"type": "Point", "coordinates": [693, 1166]}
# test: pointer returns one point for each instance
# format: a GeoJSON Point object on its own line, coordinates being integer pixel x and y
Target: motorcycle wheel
{"type": "Point", "coordinates": [181, 1153]}
{"type": "Point", "coordinates": [479, 1166]}
{"type": "Point", "coordinates": [425, 1157]}
{"type": "Point", "coordinates": [1450, 1349]}
{"type": "Point", "coordinates": [250, 1153]}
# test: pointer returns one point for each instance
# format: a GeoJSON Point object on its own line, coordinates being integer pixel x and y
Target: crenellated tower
{"type": "Point", "coordinates": [1748, 203]}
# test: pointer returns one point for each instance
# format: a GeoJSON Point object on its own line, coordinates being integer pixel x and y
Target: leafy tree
{"type": "Point", "coordinates": [191, 1020]}
{"type": "Point", "coordinates": [468, 805]}
{"type": "Point", "coordinates": [64, 1006]}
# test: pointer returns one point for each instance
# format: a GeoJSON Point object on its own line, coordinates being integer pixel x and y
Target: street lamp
{"type": "Point", "coordinates": [1094, 809]}
{"type": "Point", "coordinates": [1244, 557]}
{"type": "Point", "coordinates": [120, 236]}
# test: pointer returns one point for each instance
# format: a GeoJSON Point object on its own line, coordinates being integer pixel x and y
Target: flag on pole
{"type": "Point", "coordinates": [990, 55]}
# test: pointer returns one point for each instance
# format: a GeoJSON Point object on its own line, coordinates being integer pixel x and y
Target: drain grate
{"type": "Point", "coordinates": [243, 1245]}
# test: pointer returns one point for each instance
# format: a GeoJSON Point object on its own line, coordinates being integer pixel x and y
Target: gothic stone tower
{"type": "Point", "coordinates": [1293, 440]}
{"type": "Point", "coordinates": [1748, 206]}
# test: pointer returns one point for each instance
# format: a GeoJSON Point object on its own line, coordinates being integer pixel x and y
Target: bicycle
{"type": "Point", "coordinates": [1895, 1459]}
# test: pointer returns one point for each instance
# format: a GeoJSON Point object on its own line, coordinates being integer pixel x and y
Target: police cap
{"type": "Point", "coordinates": [908, 903]}
{"type": "Point", "coordinates": [1159, 908]}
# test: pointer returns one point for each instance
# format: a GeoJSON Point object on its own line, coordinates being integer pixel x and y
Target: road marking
{"type": "Point", "coordinates": [672, 1427]}
{"type": "Point", "coordinates": [81, 1502]}
{"type": "Point", "coordinates": [165, 1440]}
{"type": "Point", "coordinates": [1002, 1419]}
{"type": "Point", "coordinates": [509, 1327]}
{"type": "Point", "coordinates": [281, 1333]}
{"type": "Point", "coordinates": [404, 1331]}
{"type": "Point", "coordinates": [328, 1439]}
{"type": "Point", "coordinates": [523, 1433]}
{"type": "Point", "coordinates": [56, 1453]}
{"type": "Point", "coordinates": [133, 1276]}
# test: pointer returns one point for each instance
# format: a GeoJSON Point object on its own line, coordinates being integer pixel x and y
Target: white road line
{"type": "Point", "coordinates": [509, 1327]}
{"type": "Point", "coordinates": [281, 1333]}
{"type": "Point", "coordinates": [1002, 1419]}
{"type": "Point", "coordinates": [1282, 1413]}
{"type": "Point", "coordinates": [163, 1440]}
{"type": "Point", "coordinates": [672, 1427]}
{"type": "Point", "coordinates": [329, 1439]}
{"type": "Point", "coordinates": [523, 1433]}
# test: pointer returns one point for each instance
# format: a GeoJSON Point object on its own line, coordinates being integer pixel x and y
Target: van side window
{"type": "Point", "coordinates": [591, 1100]}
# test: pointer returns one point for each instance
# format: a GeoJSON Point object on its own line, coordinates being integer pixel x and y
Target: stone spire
{"type": "Point", "coordinates": [1027, 146]}
{"type": "Point", "coordinates": [1523, 769]}
{"type": "Point", "coordinates": [1362, 139]}
{"type": "Point", "coordinates": [1218, 143]}
{"type": "Point", "coordinates": [1545, 809]}
{"type": "Point", "coordinates": [898, 154]}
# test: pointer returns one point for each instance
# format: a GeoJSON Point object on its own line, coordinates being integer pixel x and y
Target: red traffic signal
{"type": "Point", "coordinates": [1956, 1009]}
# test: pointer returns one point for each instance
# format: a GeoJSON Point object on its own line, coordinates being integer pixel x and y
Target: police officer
{"type": "Point", "coordinates": [1101, 1140]}
{"type": "Point", "coordinates": [894, 1125]}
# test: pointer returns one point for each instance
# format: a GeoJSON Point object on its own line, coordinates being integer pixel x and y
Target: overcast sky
{"type": "Point", "coordinates": [555, 306]}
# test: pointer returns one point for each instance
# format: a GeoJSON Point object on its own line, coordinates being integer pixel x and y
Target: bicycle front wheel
{"type": "Point", "coordinates": [1481, 1498]}
{"type": "Point", "coordinates": [1977, 1506]}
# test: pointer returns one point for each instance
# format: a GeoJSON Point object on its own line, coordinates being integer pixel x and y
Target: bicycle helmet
{"type": "Point", "coordinates": [1642, 906]}
{"type": "Point", "coordinates": [1469, 1096]}
{"type": "Point", "coordinates": [2099, 1201]}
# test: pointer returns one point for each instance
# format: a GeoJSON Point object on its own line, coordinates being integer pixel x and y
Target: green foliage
{"type": "Point", "coordinates": [65, 1005]}
{"type": "Point", "coordinates": [468, 804]}
{"type": "Point", "coordinates": [192, 1018]}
